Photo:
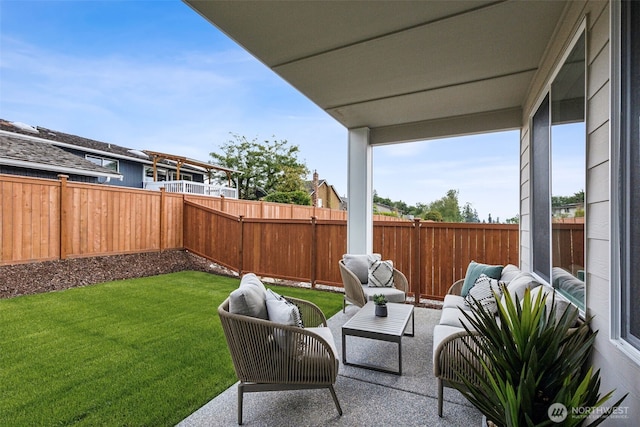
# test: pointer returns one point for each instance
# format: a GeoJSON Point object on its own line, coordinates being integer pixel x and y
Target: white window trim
{"type": "Point", "coordinates": [102, 159]}
{"type": "Point", "coordinates": [615, 289]}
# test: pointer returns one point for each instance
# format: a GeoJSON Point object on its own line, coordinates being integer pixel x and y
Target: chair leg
{"type": "Point", "coordinates": [335, 399]}
{"type": "Point", "coordinates": [440, 387]}
{"type": "Point", "coordinates": [240, 394]}
{"type": "Point", "coordinates": [344, 305]}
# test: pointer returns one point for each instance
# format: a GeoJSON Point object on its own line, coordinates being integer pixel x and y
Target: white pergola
{"type": "Point", "coordinates": [397, 71]}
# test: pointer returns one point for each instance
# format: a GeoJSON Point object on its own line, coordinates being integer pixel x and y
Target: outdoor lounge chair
{"type": "Point", "coordinates": [270, 356]}
{"type": "Point", "coordinates": [356, 288]}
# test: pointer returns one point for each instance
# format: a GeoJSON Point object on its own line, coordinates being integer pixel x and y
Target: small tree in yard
{"type": "Point", "coordinates": [269, 166]}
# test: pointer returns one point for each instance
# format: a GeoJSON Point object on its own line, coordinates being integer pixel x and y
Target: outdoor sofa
{"type": "Point", "coordinates": [450, 338]}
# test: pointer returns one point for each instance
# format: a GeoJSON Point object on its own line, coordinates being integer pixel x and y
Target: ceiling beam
{"type": "Point", "coordinates": [469, 124]}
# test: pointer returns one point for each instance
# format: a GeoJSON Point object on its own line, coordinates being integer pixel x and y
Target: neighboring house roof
{"type": "Point", "coordinates": [71, 141]}
{"type": "Point", "coordinates": [19, 152]}
{"type": "Point", "coordinates": [39, 133]}
{"type": "Point", "coordinates": [308, 185]}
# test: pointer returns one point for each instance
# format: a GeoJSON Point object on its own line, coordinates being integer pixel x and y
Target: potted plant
{"type": "Point", "coordinates": [534, 365]}
{"type": "Point", "coordinates": [381, 305]}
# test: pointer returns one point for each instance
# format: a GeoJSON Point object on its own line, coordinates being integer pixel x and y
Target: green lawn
{"type": "Point", "coordinates": [140, 352]}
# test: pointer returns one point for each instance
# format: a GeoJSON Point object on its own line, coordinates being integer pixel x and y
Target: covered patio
{"type": "Point", "coordinates": [395, 72]}
{"type": "Point", "coordinates": [367, 397]}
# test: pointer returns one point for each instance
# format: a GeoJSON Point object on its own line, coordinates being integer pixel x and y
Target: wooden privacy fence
{"type": "Point", "coordinates": [45, 219]}
{"type": "Point", "coordinates": [432, 255]}
{"type": "Point", "coordinates": [262, 209]}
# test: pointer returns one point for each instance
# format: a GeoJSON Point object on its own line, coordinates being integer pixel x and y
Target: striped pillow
{"type": "Point", "coordinates": [483, 292]}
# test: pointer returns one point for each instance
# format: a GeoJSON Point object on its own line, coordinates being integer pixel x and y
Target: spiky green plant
{"type": "Point", "coordinates": [530, 359]}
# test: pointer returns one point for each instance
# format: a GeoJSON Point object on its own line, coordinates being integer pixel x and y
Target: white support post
{"type": "Point", "coordinates": [360, 193]}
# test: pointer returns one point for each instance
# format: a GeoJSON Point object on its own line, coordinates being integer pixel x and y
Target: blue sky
{"type": "Point", "coordinates": [155, 75]}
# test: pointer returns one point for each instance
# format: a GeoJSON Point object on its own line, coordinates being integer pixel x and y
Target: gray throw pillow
{"type": "Point", "coordinates": [249, 298]}
{"type": "Point", "coordinates": [358, 264]}
{"type": "Point", "coordinates": [247, 302]}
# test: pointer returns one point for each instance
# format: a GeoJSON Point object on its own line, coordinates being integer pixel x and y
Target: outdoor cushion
{"type": "Point", "coordinates": [285, 313]}
{"type": "Point", "coordinates": [509, 272]}
{"type": "Point", "coordinates": [454, 301]}
{"type": "Point", "coordinates": [561, 304]}
{"type": "Point", "coordinates": [250, 279]}
{"type": "Point", "coordinates": [249, 298]}
{"type": "Point", "coordinates": [475, 270]}
{"type": "Point", "coordinates": [452, 316]}
{"type": "Point", "coordinates": [391, 294]}
{"type": "Point", "coordinates": [282, 311]}
{"type": "Point", "coordinates": [519, 284]}
{"type": "Point", "coordinates": [359, 264]}
{"type": "Point", "coordinates": [484, 291]}
{"type": "Point", "coordinates": [380, 274]}
{"type": "Point", "coordinates": [325, 333]}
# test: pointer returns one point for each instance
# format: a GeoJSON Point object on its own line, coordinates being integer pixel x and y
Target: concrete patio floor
{"type": "Point", "coordinates": [367, 397]}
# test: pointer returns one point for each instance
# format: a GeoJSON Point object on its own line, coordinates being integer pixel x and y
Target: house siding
{"type": "Point", "coordinates": [617, 370]}
{"type": "Point", "coordinates": [36, 173]}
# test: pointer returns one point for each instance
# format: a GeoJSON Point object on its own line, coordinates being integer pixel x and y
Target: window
{"type": "Point", "coordinates": [627, 150]}
{"type": "Point", "coordinates": [183, 176]}
{"type": "Point", "coordinates": [148, 174]}
{"type": "Point", "coordinates": [558, 170]}
{"type": "Point", "coordinates": [104, 162]}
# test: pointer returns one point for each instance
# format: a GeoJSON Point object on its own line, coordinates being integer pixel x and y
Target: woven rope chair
{"type": "Point", "coordinates": [358, 295]}
{"type": "Point", "coordinates": [307, 361]}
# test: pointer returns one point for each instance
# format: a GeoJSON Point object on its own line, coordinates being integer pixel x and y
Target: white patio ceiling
{"type": "Point", "coordinates": [408, 70]}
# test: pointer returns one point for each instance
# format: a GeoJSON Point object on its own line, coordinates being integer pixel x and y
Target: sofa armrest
{"type": "Point", "coordinates": [400, 281]}
{"type": "Point", "coordinates": [456, 288]}
{"type": "Point", "coordinates": [448, 359]}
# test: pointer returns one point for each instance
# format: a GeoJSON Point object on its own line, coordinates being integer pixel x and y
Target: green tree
{"type": "Point", "coordinates": [292, 197]}
{"type": "Point", "coordinates": [263, 167]}
{"type": "Point", "coordinates": [433, 216]}
{"type": "Point", "coordinates": [469, 214]}
{"type": "Point", "coordinates": [448, 206]}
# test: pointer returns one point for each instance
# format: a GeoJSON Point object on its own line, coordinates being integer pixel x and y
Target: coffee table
{"type": "Point", "coordinates": [366, 324]}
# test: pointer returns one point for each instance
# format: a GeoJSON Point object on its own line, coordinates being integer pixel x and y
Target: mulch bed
{"type": "Point", "coordinates": [34, 278]}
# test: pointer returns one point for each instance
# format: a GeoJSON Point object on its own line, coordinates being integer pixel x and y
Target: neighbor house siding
{"type": "Point", "coordinates": [617, 370]}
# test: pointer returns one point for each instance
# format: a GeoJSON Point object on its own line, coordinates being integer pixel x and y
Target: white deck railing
{"type": "Point", "coordinates": [190, 187]}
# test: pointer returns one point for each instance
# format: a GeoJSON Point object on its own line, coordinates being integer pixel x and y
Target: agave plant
{"type": "Point", "coordinates": [530, 360]}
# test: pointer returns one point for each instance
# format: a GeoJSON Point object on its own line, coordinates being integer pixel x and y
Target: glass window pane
{"type": "Point", "coordinates": [630, 191]}
{"type": "Point", "coordinates": [540, 196]}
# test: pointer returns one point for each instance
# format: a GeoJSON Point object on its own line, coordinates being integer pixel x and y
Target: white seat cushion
{"type": "Point", "coordinates": [325, 333]}
{"type": "Point", "coordinates": [440, 332]}
{"type": "Point", "coordinates": [454, 301]}
{"type": "Point", "coordinates": [453, 317]}
{"type": "Point", "coordinates": [392, 294]}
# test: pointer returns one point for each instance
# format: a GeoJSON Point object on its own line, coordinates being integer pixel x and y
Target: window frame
{"type": "Point", "coordinates": [91, 158]}
{"type": "Point", "coordinates": [621, 167]}
{"type": "Point", "coordinates": [546, 98]}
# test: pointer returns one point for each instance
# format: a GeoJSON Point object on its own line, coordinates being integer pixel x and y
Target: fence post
{"type": "Point", "coordinates": [415, 263]}
{"type": "Point", "coordinates": [222, 204]}
{"type": "Point", "coordinates": [314, 251]}
{"type": "Point", "coordinates": [162, 215]}
{"type": "Point", "coordinates": [64, 216]}
{"type": "Point", "coordinates": [241, 248]}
